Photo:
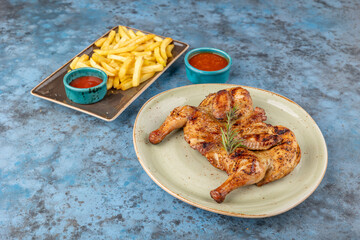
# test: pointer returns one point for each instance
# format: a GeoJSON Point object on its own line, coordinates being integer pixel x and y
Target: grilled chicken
{"type": "Point", "coordinates": [267, 153]}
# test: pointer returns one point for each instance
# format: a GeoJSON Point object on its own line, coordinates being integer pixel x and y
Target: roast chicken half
{"type": "Point", "coordinates": [266, 153]}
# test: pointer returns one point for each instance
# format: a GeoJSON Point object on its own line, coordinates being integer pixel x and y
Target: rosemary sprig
{"type": "Point", "coordinates": [228, 135]}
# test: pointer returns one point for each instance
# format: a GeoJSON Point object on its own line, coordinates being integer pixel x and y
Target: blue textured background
{"type": "Point", "coordinates": [64, 174]}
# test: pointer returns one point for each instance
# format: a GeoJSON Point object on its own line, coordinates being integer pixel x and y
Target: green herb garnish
{"type": "Point", "coordinates": [228, 135]}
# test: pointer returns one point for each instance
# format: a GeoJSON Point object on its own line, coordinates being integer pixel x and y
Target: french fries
{"type": "Point", "coordinates": [169, 49]}
{"type": "Point", "coordinates": [137, 71]}
{"type": "Point", "coordinates": [124, 68]}
{"type": "Point", "coordinates": [158, 57]}
{"type": "Point", "coordinates": [163, 46]}
{"type": "Point", "coordinates": [127, 57]}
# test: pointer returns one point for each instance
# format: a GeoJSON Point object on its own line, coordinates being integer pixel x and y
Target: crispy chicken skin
{"type": "Point", "coordinates": [269, 152]}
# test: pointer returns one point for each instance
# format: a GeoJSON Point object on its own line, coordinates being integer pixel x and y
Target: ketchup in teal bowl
{"type": "Point", "coordinates": [208, 61]}
{"type": "Point", "coordinates": [207, 65]}
{"type": "Point", "coordinates": [86, 82]}
{"type": "Point", "coordinates": [85, 85]}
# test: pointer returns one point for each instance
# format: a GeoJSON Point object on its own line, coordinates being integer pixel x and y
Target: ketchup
{"type": "Point", "coordinates": [85, 82]}
{"type": "Point", "coordinates": [208, 62]}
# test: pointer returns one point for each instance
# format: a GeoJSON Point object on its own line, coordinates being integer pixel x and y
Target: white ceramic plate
{"type": "Point", "coordinates": [188, 176]}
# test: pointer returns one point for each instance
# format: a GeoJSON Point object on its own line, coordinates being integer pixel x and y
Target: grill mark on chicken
{"type": "Point", "coordinates": [238, 152]}
{"type": "Point", "coordinates": [222, 104]}
{"type": "Point", "coordinates": [260, 141]}
{"type": "Point", "coordinates": [280, 132]}
{"type": "Point", "coordinates": [205, 144]}
{"type": "Point", "coordinates": [270, 153]}
{"type": "Point", "coordinates": [192, 118]}
{"type": "Point", "coordinates": [252, 168]}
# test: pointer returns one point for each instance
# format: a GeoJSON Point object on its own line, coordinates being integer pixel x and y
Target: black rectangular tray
{"type": "Point", "coordinates": [115, 101]}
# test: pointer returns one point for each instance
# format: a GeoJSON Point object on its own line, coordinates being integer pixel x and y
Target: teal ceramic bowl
{"type": "Point", "coordinates": [85, 95]}
{"type": "Point", "coordinates": [199, 76]}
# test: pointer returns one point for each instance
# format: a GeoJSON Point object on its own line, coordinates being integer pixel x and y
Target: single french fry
{"type": "Point", "coordinates": [140, 33]}
{"type": "Point", "coordinates": [84, 58]}
{"type": "Point", "coordinates": [152, 68]}
{"type": "Point", "coordinates": [146, 76]}
{"type": "Point", "coordinates": [149, 62]}
{"type": "Point", "coordinates": [158, 57]}
{"type": "Point", "coordinates": [119, 43]}
{"type": "Point", "coordinates": [158, 39]}
{"type": "Point", "coordinates": [109, 83]}
{"type": "Point", "coordinates": [148, 69]}
{"type": "Point", "coordinates": [98, 58]}
{"type": "Point", "coordinates": [74, 62]}
{"type": "Point", "coordinates": [95, 65]}
{"type": "Point", "coordinates": [143, 46]}
{"type": "Point", "coordinates": [115, 51]}
{"type": "Point", "coordinates": [123, 32]}
{"type": "Point", "coordinates": [116, 82]}
{"type": "Point", "coordinates": [81, 65]}
{"type": "Point", "coordinates": [111, 36]}
{"type": "Point", "coordinates": [126, 85]}
{"type": "Point", "coordinates": [131, 33]}
{"type": "Point", "coordinates": [137, 71]}
{"type": "Point", "coordinates": [117, 57]}
{"type": "Point", "coordinates": [169, 49]}
{"type": "Point", "coordinates": [117, 37]}
{"type": "Point", "coordinates": [150, 58]}
{"type": "Point", "coordinates": [142, 40]}
{"type": "Point", "coordinates": [105, 45]}
{"type": "Point", "coordinates": [100, 42]}
{"type": "Point", "coordinates": [128, 42]}
{"type": "Point", "coordinates": [153, 46]}
{"type": "Point", "coordinates": [109, 40]}
{"type": "Point", "coordinates": [163, 46]}
{"type": "Point", "coordinates": [124, 68]}
{"type": "Point", "coordinates": [107, 67]}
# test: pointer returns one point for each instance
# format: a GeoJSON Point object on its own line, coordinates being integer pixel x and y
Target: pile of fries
{"type": "Point", "coordinates": [127, 57]}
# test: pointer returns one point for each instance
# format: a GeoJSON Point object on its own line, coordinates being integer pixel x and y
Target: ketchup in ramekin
{"type": "Point", "coordinates": [86, 82]}
{"type": "Point", "coordinates": [207, 65]}
{"type": "Point", "coordinates": [85, 85]}
{"type": "Point", "coordinates": [208, 61]}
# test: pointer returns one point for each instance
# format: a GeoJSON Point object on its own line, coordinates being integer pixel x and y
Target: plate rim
{"type": "Point", "coordinates": [229, 213]}
{"type": "Point", "coordinates": [149, 82]}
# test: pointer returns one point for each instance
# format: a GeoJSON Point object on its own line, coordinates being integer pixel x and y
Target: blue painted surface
{"type": "Point", "coordinates": [64, 174]}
